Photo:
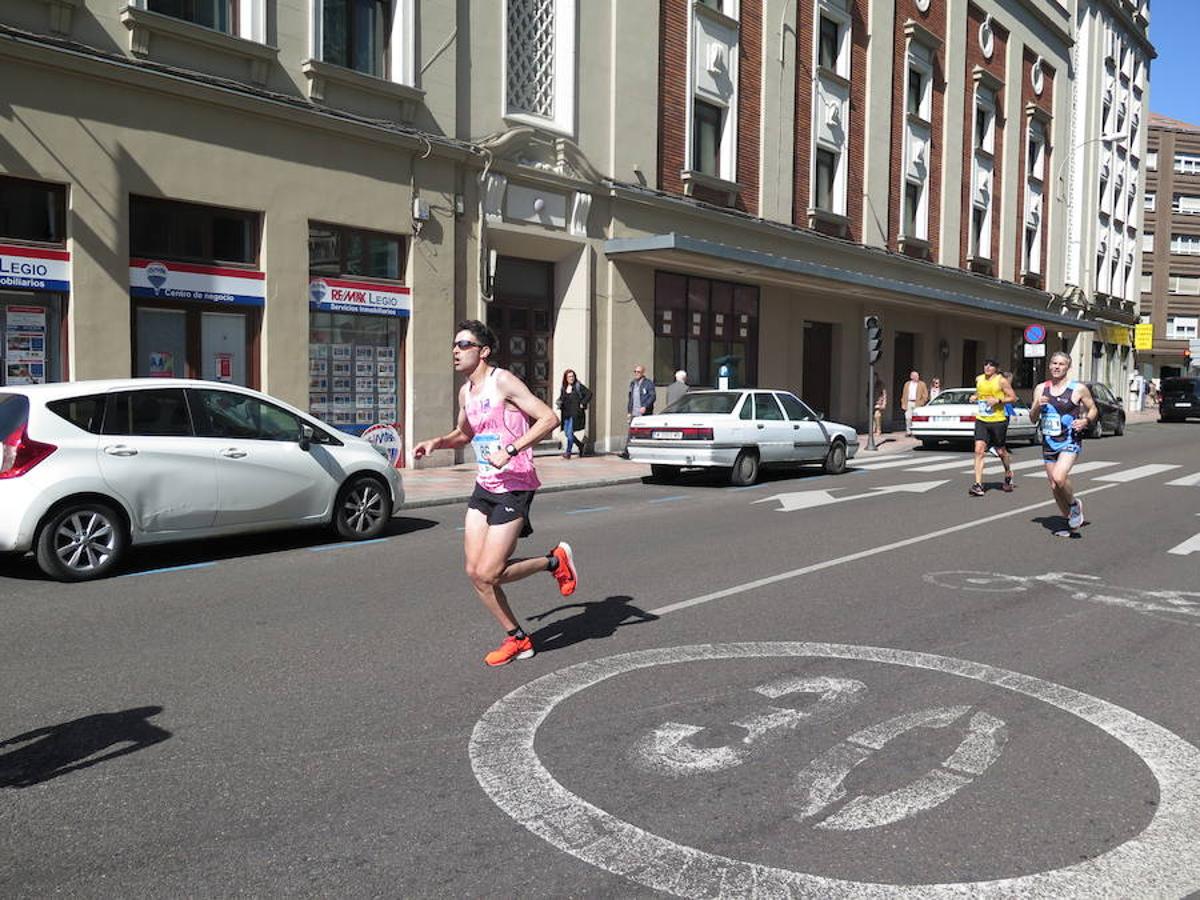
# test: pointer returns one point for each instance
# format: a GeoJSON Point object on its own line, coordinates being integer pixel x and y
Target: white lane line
{"type": "Point", "coordinates": [1136, 473]}
{"type": "Point", "coordinates": [1186, 481]}
{"type": "Point", "coordinates": [861, 554]}
{"type": "Point", "coordinates": [891, 463]}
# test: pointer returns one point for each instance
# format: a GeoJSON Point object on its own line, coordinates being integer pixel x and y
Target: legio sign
{"type": "Point", "coordinates": [340, 295]}
{"type": "Point", "coordinates": [187, 281]}
{"type": "Point", "coordinates": [34, 269]}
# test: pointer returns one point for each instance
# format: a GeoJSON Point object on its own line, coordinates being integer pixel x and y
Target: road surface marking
{"type": "Point", "coordinates": [939, 467]}
{"type": "Point", "coordinates": [587, 509]}
{"type": "Point", "coordinates": [668, 499]}
{"type": "Point", "coordinates": [1090, 466]}
{"type": "Point", "coordinates": [1186, 481]}
{"type": "Point", "coordinates": [1136, 473]}
{"type": "Point", "coordinates": [1160, 861]}
{"type": "Point", "coordinates": [1016, 467]}
{"type": "Point", "coordinates": [1191, 545]}
{"type": "Point", "coordinates": [861, 554]}
{"type": "Point", "coordinates": [896, 463]}
{"type": "Point", "coordinates": [797, 500]}
{"type": "Point", "coordinates": [346, 545]}
{"type": "Point", "coordinates": [187, 568]}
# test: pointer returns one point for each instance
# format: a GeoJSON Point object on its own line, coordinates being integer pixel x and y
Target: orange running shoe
{"type": "Point", "coordinates": [512, 648]}
{"type": "Point", "coordinates": [566, 575]}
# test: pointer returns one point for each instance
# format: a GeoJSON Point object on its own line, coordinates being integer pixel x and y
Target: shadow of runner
{"type": "Point", "coordinates": [70, 746]}
{"type": "Point", "coordinates": [595, 619]}
{"type": "Point", "coordinates": [1057, 526]}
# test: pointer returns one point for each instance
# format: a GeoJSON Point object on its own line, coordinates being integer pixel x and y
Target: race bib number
{"type": "Point", "coordinates": [985, 407]}
{"type": "Point", "coordinates": [485, 445]}
{"type": "Point", "coordinates": [1052, 423]}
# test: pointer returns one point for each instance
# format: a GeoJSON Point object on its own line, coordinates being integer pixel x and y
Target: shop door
{"type": "Point", "coordinates": [904, 354]}
{"type": "Point", "coordinates": [520, 314]}
{"type": "Point", "coordinates": [223, 347]}
{"type": "Point", "coordinates": [161, 343]}
{"type": "Point", "coordinates": [970, 363]}
{"type": "Point", "coordinates": [818, 365]}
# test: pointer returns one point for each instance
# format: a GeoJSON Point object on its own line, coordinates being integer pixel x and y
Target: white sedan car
{"type": "Point", "coordinates": [950, 416]}
{"type": "Point", "coordinates": [739, 430]}
{"type": "Point", "coordinates": [90, 467]}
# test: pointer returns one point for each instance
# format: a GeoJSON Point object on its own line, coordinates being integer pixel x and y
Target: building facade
{"type": "Point", "coordinates": [306, 200]}
{"type": "Point", "coordinates": [1171, 249]}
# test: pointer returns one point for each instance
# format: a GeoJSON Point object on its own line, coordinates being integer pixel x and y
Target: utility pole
{"type": "Point", "coordinates": [874, 351]}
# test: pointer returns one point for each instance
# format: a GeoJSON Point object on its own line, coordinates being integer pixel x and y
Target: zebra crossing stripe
{"type": "Point", "coordinates": [1186, 481]}
{"type": "Point", "coordinates": [1136, 473]}
{"type": "Point", "coordinates": [859, 463]}
{"type": "Point", "coordinates": [1091, 466]}
{"type": "Point", "coordinates": [1016, 467]}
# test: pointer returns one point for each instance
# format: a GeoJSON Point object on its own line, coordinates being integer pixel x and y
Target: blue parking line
{"type": "Point", "coordinates": [750, 487]}
{"type": "Point", "coordinates": [345, 545]}
{"type": "Point", "coordinates": [204, 565]}
{"type": "Point", "coordinates": [668, 499]}
{"type": "Point", "coordinates": [587, 509]}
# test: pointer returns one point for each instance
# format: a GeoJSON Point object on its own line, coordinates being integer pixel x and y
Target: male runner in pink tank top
{"type": "Point", "coordinates": [495, 411]}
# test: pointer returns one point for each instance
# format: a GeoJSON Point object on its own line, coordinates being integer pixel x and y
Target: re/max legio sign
{"type": "Point", "coordinates": [342, 295]}
{"type": "Point", "coordinates": [153, 279]}
{"type": "Point", "coordinates": [35, 269]}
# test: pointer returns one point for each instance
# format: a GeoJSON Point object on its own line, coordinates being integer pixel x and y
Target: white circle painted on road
{"type": "Point", "coordinates": [1160, 861]}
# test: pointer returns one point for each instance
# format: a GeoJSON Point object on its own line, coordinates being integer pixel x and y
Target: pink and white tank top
{"type": "Point", "coordinates": [496, 424]}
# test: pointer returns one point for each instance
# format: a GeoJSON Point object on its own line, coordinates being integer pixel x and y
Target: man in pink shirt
{"type": "Point", "coordinates": [495, 414]}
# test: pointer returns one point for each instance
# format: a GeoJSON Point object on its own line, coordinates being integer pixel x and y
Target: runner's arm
{"type": "Point", "coordinates": [1010, 396]}
{"type": "Point", "coordinates": [1085, 400]}
{"type": "Point", "coordinates": [1039, 400]}
{"type": "Point", "coordinates": [516, 392]}
{"type": "Point", "coordinates": [459, 437]}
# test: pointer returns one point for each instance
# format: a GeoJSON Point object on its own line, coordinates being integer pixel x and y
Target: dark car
{"type": "Point", "coordinates": [1112, 412]}
{"type": "Point", "coordinates": [1179, 398]}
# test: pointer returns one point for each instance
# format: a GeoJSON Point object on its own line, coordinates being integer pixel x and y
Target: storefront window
{"type": "Point", "coordinates": [701, 325]}
{"type": "Point", "coordinates": [31, 324]}
{"type": "Point", "coordinates": [168, 229]}
{"type": "Point", "coordinates": [335, 250]}
{"type": "Point", "coordinates": [32, 211]}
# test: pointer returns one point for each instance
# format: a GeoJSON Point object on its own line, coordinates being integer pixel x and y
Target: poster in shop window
{"type": "Point", "coordinates": [223, 366]}
{"type": "Point", "coordinates": [365, 354]}
{"type": "Point", "coordinates": [318, 351]}
{"type": "Point", "coordinates": [162, 364]}
{"type": "Point", "coordinates": [25, 345]}
{"type": "Point", "coordinates": [318, 404]}
{"type": "Point", "coordinates": [385, 354]}
{"type": "Point", "coordinates": [318, 383]}
{"type": "Point", "coordinates": [342, 369]}
{"type": "Point", "coordinates": [364, 369]}
{"type": "Point", "coordinates": [386, 369]}
{"type": "Point", "coordinates": [386, 385]}
{"type": "Point", "coordinates": [343, 351]}
{"type": "Point", "coordinates": [318, 367]}
{"type": "Point", "coordinates": [364, 385]}
{"type": "Point", "coordinates": [343, 385]}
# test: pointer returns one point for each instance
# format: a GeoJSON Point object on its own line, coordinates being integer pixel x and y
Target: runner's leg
{"type": "Point", "coordinates": [980, 451]}
{"type": "Point", "coordinates": [1060, 484]}
{"type": "Point", "coordinates": [488, 548]}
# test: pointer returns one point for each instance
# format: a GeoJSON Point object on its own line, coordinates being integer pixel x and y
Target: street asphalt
{"type": "Point", "coordinates": [861, 685]}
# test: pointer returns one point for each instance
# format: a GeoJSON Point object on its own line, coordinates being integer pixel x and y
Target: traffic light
{"type": "Point", "coordinates": [874, 339]}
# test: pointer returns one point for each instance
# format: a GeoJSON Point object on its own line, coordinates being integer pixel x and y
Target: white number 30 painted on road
{"type": "Point", "coordinates": [670, 749]}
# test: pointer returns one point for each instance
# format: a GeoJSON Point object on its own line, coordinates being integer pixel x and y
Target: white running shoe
{"type": "Point", "coordinates": [1075, 519]}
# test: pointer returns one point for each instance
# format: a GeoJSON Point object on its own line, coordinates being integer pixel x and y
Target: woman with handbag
{"type": "Point", "coordinates": [573, 400]}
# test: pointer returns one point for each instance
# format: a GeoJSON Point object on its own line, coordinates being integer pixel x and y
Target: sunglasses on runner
{"type": "Point", "coordinates": [465, 345]}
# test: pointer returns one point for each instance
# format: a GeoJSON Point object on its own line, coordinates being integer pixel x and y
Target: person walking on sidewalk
{"type": "Point", "coordinates": [913, 394]}
{"type": "Point", "coordinates": [992, 392]}
{"type": "Point", "coordinates": [573, 400]}
{"type": "Point", "coordinates": [641, 400]}
{"type": "Point", "coordinates": [678, 388]}
{"type": "Point", "coordinates": [1065, 411]}
{"type": "Point", "coordinates": [880, 405]}
{"type": "Point", "coordinates": [495, 410]}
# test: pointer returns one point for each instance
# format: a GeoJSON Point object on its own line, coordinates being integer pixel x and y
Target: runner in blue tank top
{"type": "Point", "coordinates": [1064, 411]}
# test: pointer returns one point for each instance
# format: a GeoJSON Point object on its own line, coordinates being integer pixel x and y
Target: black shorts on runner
{"type": "Point", "coordinates": [501, 509]}
{"type": "Point", "coordinates": [994, 434]}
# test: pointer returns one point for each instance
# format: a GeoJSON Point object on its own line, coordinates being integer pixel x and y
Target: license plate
{"type": "Point", "coordinates": [941, 420]}
{"type": "Point", "coordinates": [1183, 404]}
{"type": "Point", "coordinates": [667, 435]}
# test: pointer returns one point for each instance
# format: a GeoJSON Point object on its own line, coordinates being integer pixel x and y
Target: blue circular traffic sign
{"type": "Point", "coordinates": [1034, 334]}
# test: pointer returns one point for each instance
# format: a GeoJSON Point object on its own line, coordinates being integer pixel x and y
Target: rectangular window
{"type": "Point", "coordinates": [912, 207]}
{"type": "Point", "coordinates": [1183, 284]}
{"type": "Point", "coordinates": [1187, 244]}
{"type": "Point", "coordinates": [1031, 248]}
{"type": "Point", "coordinates": [167, 229]}
{"type": "Point", "coordinates": [1152, 160]}
{"type": "Point", "coordinates": [1187, 204]}
{"type": "Point", "coordinates": [1147, 282]}
{"type": "Point", "coordinates": [979, 240]}
{"type": "Point", "coordinates": [335, 251]}
{"type": "Point", "coordinates": [1187, 163]}
{"type": "Point", "coordinates": [916, 91]}
{"type": "Point", "coordinates": [221, 15]}
{"type": "Point", "coordinates": [985, 115]}
{"type": "Point", "coordinates": [826, 170]}
{"type": "Point", "coordinates": [355, 34]}
{"type": "Point", "coordinates": [1182, 328]}
{"type": "Point", "coordinates": [707, 124]}
{"type": "Point", "coordinates": [1148, 201]}
{"type": "Point", "coordinates": [701, 325]}
{"type": "Point", "coordinates": [827, 47]}
{"type": "Point", "coordinates": [1147, 241]}
{"type": "Point", "coordinates": [33, 211]}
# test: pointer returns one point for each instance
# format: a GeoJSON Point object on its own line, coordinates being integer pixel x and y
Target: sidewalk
{"type": "Point", "coordinates": [453, 484]}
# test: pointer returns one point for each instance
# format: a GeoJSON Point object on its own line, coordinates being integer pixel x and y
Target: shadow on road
{"type": "Point", "coordinates": [1058, 524]}
{"type": "Point", "coordinates": [70, 746]}
{"type": "Point", "coordinates": [595, 619]}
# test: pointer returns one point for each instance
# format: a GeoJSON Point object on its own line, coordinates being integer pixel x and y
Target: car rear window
{"type": "Point", "coordinates": [149, 413]}
{"type": "Point", "coordinates": [1179, 385]}
{"type": "Point", "coordinates": [719, 402]}
{"type": "Point", "coordinates": [947, 397]}
{"type": "Point", "coordinates": [14, 413]}
{"type": "Point", "coordinates": [82, 412]}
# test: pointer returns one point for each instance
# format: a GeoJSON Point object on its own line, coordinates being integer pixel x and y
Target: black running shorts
{"type": "Point", "coordinates": [501, 509]}
{"type": "Point", "coordinates": [994, 434]}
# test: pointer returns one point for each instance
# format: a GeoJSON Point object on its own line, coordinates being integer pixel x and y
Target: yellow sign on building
{"type": "Point", "coordinates": [1143, 336]}
{"type": "Point", "coordinates": [1116, 334]}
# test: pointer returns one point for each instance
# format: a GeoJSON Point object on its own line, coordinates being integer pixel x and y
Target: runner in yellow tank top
{"type": "Point", "coordinates": [992, 391]}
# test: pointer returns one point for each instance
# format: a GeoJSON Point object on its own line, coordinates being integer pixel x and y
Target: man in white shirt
{"type": "Point", "coordinates": [913, 394]}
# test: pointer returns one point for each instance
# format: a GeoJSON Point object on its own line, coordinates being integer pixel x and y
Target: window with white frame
{"type": "Point", "coordinates": [831, 109]}
{"type": "Point", "coordinates": [1186, 204]}
{"type": "Point", "coordinates": [1187, 163]}
{"type": "Point", "coordinates": [983, 163]}
{"type": "Point", "coordinates": [1147, 241]}
{"type": "Point", "coordinates": [1147, 282]}
{"type": "Point", "coordinates": [1151, 160]}
{"type": "Point", "coordinates": [1182, 328]}
{"type": "Point", "coordinates": [1183, 284]}
{"type": "Point", "coordinates": [1118, 205]}
{"type": "Point", "coordinates": [1035, 174]}
{"type": "Point", "coordinates": [220, 15]}
{"type": "Point", "coordinates": [1186, 244]}
{"type": "Point", "coordinates": [1148, 201]}
{"type": "Point", "coordinates": [374, 37]}
{"type": "Point", "coordinates": [539, 63]}
{"type": "Point", "coordinates": [713, 77]}
{"type": "Point", "coordinates": [918, 139]}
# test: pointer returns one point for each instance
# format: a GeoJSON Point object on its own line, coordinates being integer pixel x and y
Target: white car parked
{"type": "Point", "coordinates": [741, 431]}
{"type": "Point", "coordinates": [950, 416]}
{"type": "Point", "coordinates": [90, 467]}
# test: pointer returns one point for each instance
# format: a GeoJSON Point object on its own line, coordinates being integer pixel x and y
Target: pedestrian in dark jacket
{"type": "Point", "coordinates": [573, 400]}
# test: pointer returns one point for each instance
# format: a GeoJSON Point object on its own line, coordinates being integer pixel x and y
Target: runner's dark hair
{"type": "Point", "coordinates": [484, 335]}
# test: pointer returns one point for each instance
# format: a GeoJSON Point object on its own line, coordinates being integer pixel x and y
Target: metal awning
{"type": "Point", "coordinates": [699, 254]}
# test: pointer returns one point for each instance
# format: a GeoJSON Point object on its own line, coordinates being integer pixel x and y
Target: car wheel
{"type": "Point", "coordinates": [362, 509]}
{"type": "Point", "coordinates": [745, 469]}
{"type": "Point", "coordinates": [835, 460]}
{"type": "Point", "coordinates": [81, 541]}
{"type": "Point", "coordinates": [663, 473]}
{"type": "Point", "coordinates": [1097, 430]}
{"type": "Point", "coordinates": [1120, 429]}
